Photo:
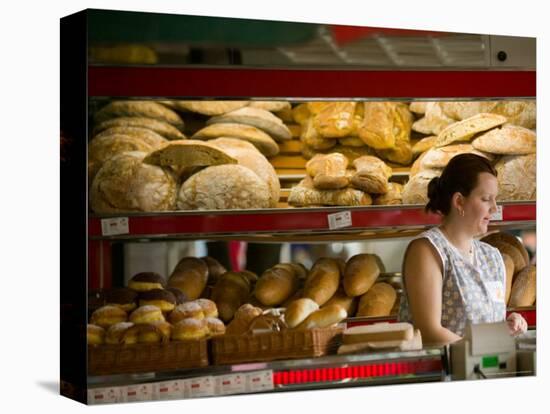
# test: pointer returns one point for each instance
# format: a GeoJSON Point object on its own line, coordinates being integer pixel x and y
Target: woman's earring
{"type": "Point", "coordinates": [462, 213]}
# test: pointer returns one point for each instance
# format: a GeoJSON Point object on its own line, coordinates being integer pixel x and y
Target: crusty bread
{"type": "Point", "coordinates": [271, 106]}
{"type": "Point", "coordinates": [415, 190]}
{"type": "Point", "coordinates": [259, 118]}
{"type": "Point", "coordinates": [322, 281]}
{"type": "Point", "coordinates": [507, 140]}
{"type": "Point", "coordinates": [400, 154]}
{"type": "Point", "coordinates": [351, 153]}
{"type": "Point", "coordinates": [393, 196]}
{"type": "Point", "coordinates": [324, 318]}
{"type": "Point", "coordinates": [509, 267]}
{"type": "Point", "coordinates": [434, 120]}
{"type": "Point", "coordinates": [502, 236]}
{"type": "Point", "coordinates": [517, 177]}
{"type": "Point", "coordinates": [263, 142]}
{"type": "Point", "coordinates": [160, 127]}
{"type": "Point", "coordinates": [223, 187]}
{"type": "Point", "coordinates": [125, 184]}
{"type": "Point", "coordinates": [301, 113]}
{"type": "Point", "coordinates": [304, 194]}
{"type": "Point", "coordinates": [418, 107]}
{"type": "Point", "coordinates": [512, 251]}
{"type": "Point", "coordinates": [440, 157]}
{"type": "Point", "coordinates": [372, 175]}
{"type": "Point", "coordinates": [275, 286]}
{"type": "Point", "coordinates": [248, 156]}
{"type": "Point", "coordinates": [351, 142]}
{"type": "Point", "coordinates": [378, 301]}
{"type": "Point", "coordinates": [150, 137]}
{"type": "Point", "coordinates": [188, 153]}
{"type": "Point", "coordinates": [146, 109]}
{"type": "Point", "coordinates": [521, 113]}
{"type": "Point", "coordinates": [190, 276]}
{"type": "Point", "coordinates": [335, 119]}
{"type": "Point", "coordinates": [385, 123]}
{"type": "Point", "coordinates": [311, 137]}
{"type": "Point", "coordinates": [423, 145]}
{"type": "Point", "coordinates": [524, 288]}
{"type": "Point", "coordinates": [298, 310]}
{"type": "Point", "coordinates": [466, 129]}
{"type": "Point", "coordinates": [360, 274]}
{"type": "Point", "coordinates": [328, 171]}
{"type": "Point", "coordinates": [209, 107]}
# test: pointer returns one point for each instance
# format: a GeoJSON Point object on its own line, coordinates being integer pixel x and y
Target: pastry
{"type": "Point", "coordinates": [144, 281]}
{"type": "Point", "coordinates": [186, 310]}
{"type": "Point", "coordinates": [107, 316]}
{"type": "Point", "coordinates": [163, 299]}
{"type": "Point", "coordinates": [146, 314]}
{"type": "Point", "coordinates": [95, 335]}
{"type": "Point", "coordinates": [190, 329]}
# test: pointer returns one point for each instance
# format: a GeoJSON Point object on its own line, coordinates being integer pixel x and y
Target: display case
{"type": "Point", "coordinates": [241, 60]}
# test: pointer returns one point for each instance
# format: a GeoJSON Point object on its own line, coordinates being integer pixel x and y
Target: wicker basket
{"type": "Point", "coordinates": [288, 344]}
{"type": "Point", "coordinates": [121, 359]}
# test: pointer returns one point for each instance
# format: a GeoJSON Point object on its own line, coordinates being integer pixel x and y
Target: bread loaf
{"type": "Point", "coordinates": [323, 318]}
{"type": "Point", "coordinates": [311, 138]}
{"type": "Point", "coordinates": [418, 107]}
{"type": "Point", "coordinates": [466, 129]}
{"type": "Point", "coordinates": [360, 274]}
{"type": "Point", "coordinates": [378, 301]}
{"type": "Point", "coordinates": [351, 142]}
{"type": "Point", "coordinates": [304, 194]}
{"type": "Point", "coordinates": [400, 154]}
{"type": "Point", "coordinates": [150, 137]}
{"type": "Point", "coordinates": [393, 196]}
{"type": "Point", "coordinates": [385, 123]}
{"type": "Point", "coordinates": [328, 171]}
{"type": "Point", "coordinates": [415, 190]}
{"type": "Point", "coordinates": [434, 120]}
{"type": "Point", "coordinates": [298, 310]}
{"type": "Point", "coordinates": [440, 157]}
{"type": "Point", "coordinates": [301, 113]}
{"type": "Point", "coordinates": [263, 142]}
{"type": "Point", "coordinates": [209, 107]}
{"type": "Point", "coordinates": [160, 127]}
{"type": "Point", "coordinates": [372, 175]}
{"type": "Point", "coordinates": [224, 187]}
{"type": "Point", "coordinates": [509, 239]}
{"type": "Point", "coordinates": [423, 145]}
{"type": "Point", "coordinates": [335, 119]}
{"type": "Point", "coordinates": [258, 118]}
{"type": "Point", "coordinates": [507, 140]}
{"type": "Point", "coordinates": [125, 184]}
{"type": "Point", "coordinates": [513, 252]}
{"type": "Point", "coordinates": [524, 288]}
{"type": "Point", "coordinates": [509, 267]}
{"type": "Point", "coordinates": [190, 276]}
{"type": "Point", "coordinates": [248, 156]}
{"type": "Point", "coordinates": [521, 113]}
{"type": "Point", "coordinates": [517, 177]}
{"type": "Point", "coordinates": [275, 286]}
{"type": "Point", "coordinates": [271, 106]}
{"type": "Point", "coordinates": [322, 281]}
{"type": "Point", "coordinates": [142, 109]}
{"type": "Point", "coordinates": [229, 293]}
{"type": "Point", "coordinates": [347, 303]}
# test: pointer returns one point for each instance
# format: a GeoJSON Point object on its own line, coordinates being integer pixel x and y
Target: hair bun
{"type": "Point", "coordinates": [433, 188]}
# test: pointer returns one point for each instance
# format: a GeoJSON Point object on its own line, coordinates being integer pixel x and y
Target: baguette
{"type": "Point", "coordinates": [275, 285]}
{"type": "Point", "coordinates": [322, 281]}
{"type": "Point", "coordinates": [361, 272]}
{"type": "Point", "coordinates": [190, 276]}
{"type": "Point", "coordinates": [323, 318]}
{"type": "Point", "coordinates": [378, 301]}
{"type": "Point", "coordinates": [298, 310]}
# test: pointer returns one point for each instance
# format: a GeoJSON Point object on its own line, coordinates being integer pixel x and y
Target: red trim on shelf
{"type": "Point", "coordinates": [116, 81]}
{"type": "Point", "coordinates": [288, 220]}
{"type": "Point", "coordinates": [530, 316]}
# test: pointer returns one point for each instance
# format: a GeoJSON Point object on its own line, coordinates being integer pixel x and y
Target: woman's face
{"type": "Point", "coordinates": [481, 203]}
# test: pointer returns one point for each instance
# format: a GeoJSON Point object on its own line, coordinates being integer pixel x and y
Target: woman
{"type": "Point", "coordinates": [450, 277]}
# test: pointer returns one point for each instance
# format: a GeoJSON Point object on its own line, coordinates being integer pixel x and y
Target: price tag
{"type": "Point", "coordinates": [260, 381]}
{"type": "Point", "coordinates": [200, 387]}
{"type": "Point", "coordinates": [497, 215]}
{"type": "Point", "coordinates": [339, 220]}
{"type": "Point", "coordinates": [114, 226]}
{"type": "Point", "coordinates": [104, 395]}
{"type": "Point", "coordinates": [230, 384]}
{"type": "Point", "coordinates": [168, 390]}
{"type": "Point", "coordinates": [139, 392]}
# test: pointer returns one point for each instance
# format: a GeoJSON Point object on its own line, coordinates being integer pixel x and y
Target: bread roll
{"type": "Point", "coordinates": [328, 171]}
{"type": "Point", "coordinates": [507, 140]}
{"type": "Point", "coordinates": [322, 281]}
{"type": "Point", "coordinates": [125, 184]}
{"type": "Point", "coordinates": [146, 314]}
{"type": "Point", "coordinates": [304, 194]}
{"type": "Point", "coordinates": [147, 109]}
{"type": "Point", "coordinates": [190, 329]}
{"type": "Point", "coordinates": [190, 276]}
{"type": "Point", "coordinates": [509, 267]}
{"type": "Point", "coordinates": [393, 196]}
{"type": "Point", "coordinates": [144, 281]}
{"type": "Point", "coordinates": [248, 156]}
{"type": "Point", "coordinates": [360, 274]}
{"type": "Point", "coordinates": [347, 303]}
{"type": "Point", "coordinates": [186, 310]}
{"type": "Point", "coordinates": [160, 127]}
{"type": "Point", "coordinates": [95, 335]}
{"type": "Point", "coordinates": [335, 119]}
{"type": "Point", "coordinates": [215, 326]}
{"type": "Point", "coordinates": [378, 301]}
{"type": "Point", "coordinates": [298, 310]}
{"type": "Point", "coordinates": [120, 333]}
{"type": "Point", "coordinates": [153, 333]}
{"type": "Point", "coordinates": [107, 316]}
{"type": "Point", "coordinates": [275, 286]}
{"type": "Point", "coordinates": [230, 293]}
{"type": "Point", "coordinates": [163, 299]}
{"type": "Point", "coordinates": [372, 175]}
{"type": "Point", "coordinates": [324, 318]}
{"type": "Point", "coordinates": [243, 316]}
{"type": "Point", "coordinates": [517, 177]}
{"type": "Point", "coordinates": [208, 307]}
{"type": "Point", "coordinates": [466, 129]}
{"type": "Point", "coordinates": [524, 288]}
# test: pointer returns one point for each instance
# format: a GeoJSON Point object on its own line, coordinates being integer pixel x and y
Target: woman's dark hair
{"type": "Point", "coordinates": [460, 175]}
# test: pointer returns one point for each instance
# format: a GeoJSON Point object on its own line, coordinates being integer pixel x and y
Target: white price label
{"type": "Point", "coordinates": [497, 215]}
{"type": "Point", "coordinates": [114, 226]}
{"type": "Point", "coordinates": [104, 395]}
{"type": "Point", "coordinates": [200, 387]}
{"type": "Point", "coordinates": [339, 220]}
{"type": "Point", "coordinates": [230, 384]}
{"type": "Point", "coordinates": [170, 389]}
{"type": "Point", "coordinates": [260, 381]}
{"type": "Point", "coordinates": [139, 392]}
